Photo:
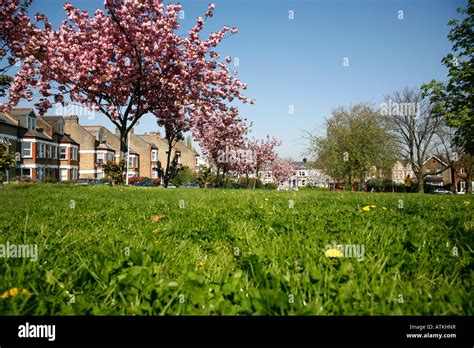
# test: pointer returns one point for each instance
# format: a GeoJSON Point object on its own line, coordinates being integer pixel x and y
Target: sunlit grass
{"type": "Point", "coordinates": [228, 252]}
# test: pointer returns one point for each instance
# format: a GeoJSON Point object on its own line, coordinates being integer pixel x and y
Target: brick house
{"type": "Point", "coordinates": [436, 171]}
{"type": "Point", "coordinates": [94, 149]}
{"type": "Point", "coordinates": [401, 170]}
{"type": "Point", "coordinates": [186, 156]}
{"type": "Point", "coordinates": [43, 150]}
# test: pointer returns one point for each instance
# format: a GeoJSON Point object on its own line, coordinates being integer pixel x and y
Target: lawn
{"type": "Point", "coordinates": [152, 251]}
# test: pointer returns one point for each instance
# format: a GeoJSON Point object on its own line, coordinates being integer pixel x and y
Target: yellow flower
{"type": "Point", "coordinates": [261, 207]}
{"type": "Point", "coordinates": [384, 208]}
{"type": "Point", "coordinates": [467, 202]}
{"type": "Point", "coordinates": [333, 253]}
{"type": "Point", "coordinates": [373, 206]}
{"type": "Point", "coordinates": [266, 199]}
{"type": "Point", "coordinates": [14, 292]}
{"type": "Point", "coordinates": [366, 208]}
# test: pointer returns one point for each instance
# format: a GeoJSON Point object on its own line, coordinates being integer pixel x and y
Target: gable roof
{"type": "Point", "coordinates": [6, 118]}
{"type": "Point", "coordinates": [437, 158]}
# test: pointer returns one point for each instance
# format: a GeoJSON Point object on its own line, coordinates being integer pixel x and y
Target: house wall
{"type": "Point", "coordinates": [87, 151]}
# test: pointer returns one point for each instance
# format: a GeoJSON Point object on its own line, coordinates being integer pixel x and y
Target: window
{"type": "Point", "coordinates": [268, 174]}
{"type": "Point", "coordinates": [62, 152]}
{"type": "Point", "coordinates": [178, 155]}
{"type": "Point", "coordinates": [55, 151]}
{"type": "Point", "coordinates": [63, 174]}
{"type": "Point", "coordinates": [31, 122]}
{"type": "Point", "coordinates": [302, 173]}
{"type": "Point", "coordinates": [130, 162]}
{"type": "Point", "coordinates": [463, 171]}
{"type": "Point", "coordinates": [26, 150]}
{"type": "Point", "coordinates": [100, 157]}
{"type": "Point", "coordinates": [26, 172]}
{"type": "Point", "coordinates": [197, 160]}
{"type": "Point", "coordinates": [303, 182]}
{"type": "Point", "coordinates": [48, 151]}
{"type": "Point", "coordinates": [100, 175]}
{"type": "Point", "coordinates": [74, 153]}
{"type": "Point", "coordinates": [73, 174]}
{"type": "Point", "coordinates": [42, 153]}
{"type": "Point", "coordinates": [110, 156]}
{"type": "Point", "coordinates": [154, 155]}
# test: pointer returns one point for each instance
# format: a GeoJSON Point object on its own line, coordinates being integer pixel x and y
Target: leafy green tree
{"type": "Point", "coordinates": [7, 160]}
{"type": "Point", "coordinates": [357, 145]}
{"type": "Point", "coordinates": [455, 99]}
{"type": "Point", "coordinates": [204, 177]}
{"type": "Point", "coordinates": [184, 176]}
{"type": "Point", "coordinates": [114, 172]}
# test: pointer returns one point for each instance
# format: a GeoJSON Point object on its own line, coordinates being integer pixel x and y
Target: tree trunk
{"type": "Point", "coordinates": [123, 143]}
{"type": "Point", "coordinates": [453, 180]}
{"type": "Point", "coordinates": [256, 178]}
{"type": "Point", "coordinates": [168, 161]}
{"type": "Point", "coordinates": [468, 183]}
{"type": "Point", "coordinates": [217, 177]}
{"type": "Point", "coordinates": [421, 184]}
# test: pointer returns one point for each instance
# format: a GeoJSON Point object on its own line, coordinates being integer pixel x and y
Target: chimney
{"type": "Point", "coordinates": [73, 119]}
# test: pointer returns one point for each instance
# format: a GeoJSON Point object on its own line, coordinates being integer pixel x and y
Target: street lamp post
{"type": "Point", "coordinates": [128, 158]}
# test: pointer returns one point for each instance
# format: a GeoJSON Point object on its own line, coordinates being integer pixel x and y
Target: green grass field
{"type": "Point", "coordinates": [140, 251]}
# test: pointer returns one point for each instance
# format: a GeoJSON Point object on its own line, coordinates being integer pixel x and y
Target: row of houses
{"type": "Point", "coordinates": [60, 148]}
{"type": "Point", "coordinates": [437, 173]}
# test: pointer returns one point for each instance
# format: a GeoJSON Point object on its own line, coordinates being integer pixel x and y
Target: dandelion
{"type": "Point", "coordinates": [333, 253]}
{"type": "Point", "coordinates": [266, 199]}
{"type": "Point", "coordinates": [366, 208]}
{"type": "Point", "coordinates": [15, 292]}
{"type": "Point", "coordinates": [373, 206]}
{"type": "Point", "coordinates": [467, 202]}
{"type": "Point", "coordinates": [384, 208]}
{"type": "Point", "coordinates": [261, 207]}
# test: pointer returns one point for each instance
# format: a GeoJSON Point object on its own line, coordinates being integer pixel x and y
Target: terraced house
{"type": "Point", "coordinates": [43, 151]}
{"type": "Point", "coordinates": [60, 148]}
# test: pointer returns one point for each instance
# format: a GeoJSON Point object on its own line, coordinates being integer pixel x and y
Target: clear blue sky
{"type": "Point", "coordinates": [299, 61]}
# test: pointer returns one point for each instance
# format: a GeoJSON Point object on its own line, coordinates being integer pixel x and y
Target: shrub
{"type": "Point", "coordinates": [271, 186]}
{"type": "Point", "coordinates": [184, 176]}
{"type": "Point", "coordinates": [50, 179]}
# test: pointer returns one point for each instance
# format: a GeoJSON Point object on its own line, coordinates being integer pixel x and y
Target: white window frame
{"type": "Point", "coordinates": [31, 122]}
{"type": "Point", "coordinates": [30, 149]}
{"type": "Point", "coordinates": [60, 154]}
{"type": "Point", "coordinates": [61, 171]}
{"type": "Point", "coordinates": [73, 153]}
{"type": "Point", "coordinates": [100, 157]}
{"type": "Point", "coordinates": [154, 155]}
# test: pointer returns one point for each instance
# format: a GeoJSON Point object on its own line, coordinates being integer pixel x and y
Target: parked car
{"type": "Point", "coordinates": [441, 191]}
{"type": "Point", "coordinates": [191, 185]}
{"type": "Point", "coordinates": [144, 183]}
{"type": "Point", "coordinates": [81, 182]}
{"type": "Point", "coordinates": [169, 186]}
{"type": "Point", "coordinates": [89, 182]}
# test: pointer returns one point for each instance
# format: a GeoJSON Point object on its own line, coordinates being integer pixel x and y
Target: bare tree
{"type": "Point", "coordinates": [415, 127]}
